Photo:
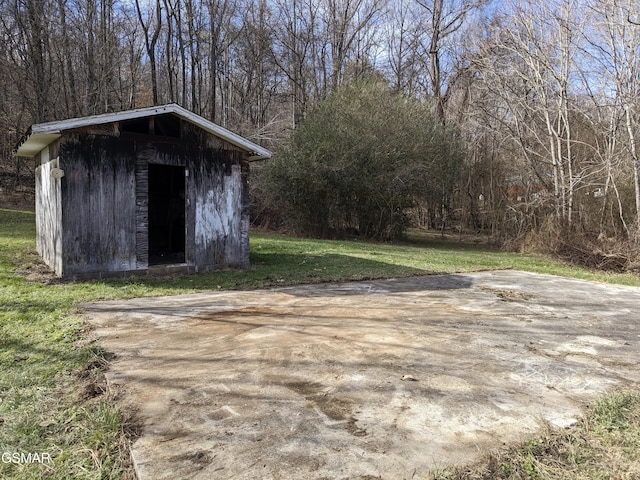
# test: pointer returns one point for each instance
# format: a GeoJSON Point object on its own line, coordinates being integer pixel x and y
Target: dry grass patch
{"type": "Point", "coordinates": [604, 444]}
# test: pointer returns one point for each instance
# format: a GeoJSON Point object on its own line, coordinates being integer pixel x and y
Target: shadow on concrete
{"type": "Point", "coordinates": [283, 269]}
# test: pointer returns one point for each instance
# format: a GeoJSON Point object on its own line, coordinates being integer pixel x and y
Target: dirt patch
{"type": "Point", "coordinates": [507, 295]}
{"type": "Point", "coordinates": [384, 379]}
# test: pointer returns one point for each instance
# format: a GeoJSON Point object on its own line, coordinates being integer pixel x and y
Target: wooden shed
{"type": "Point", "coordinates": [150, 189]}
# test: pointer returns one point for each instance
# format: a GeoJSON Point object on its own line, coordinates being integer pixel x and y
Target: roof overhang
{"type": "Point", "coordinates": [42, 134]}
{"type": "Point", "coordinates": [35, 142]}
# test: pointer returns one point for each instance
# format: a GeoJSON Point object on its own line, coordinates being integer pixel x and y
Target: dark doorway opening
{"type": "Point", "coordinates": [167, 231]}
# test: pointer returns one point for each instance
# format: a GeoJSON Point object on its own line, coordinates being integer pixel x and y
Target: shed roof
{"type": "Point", "coordinates": [42, 134]}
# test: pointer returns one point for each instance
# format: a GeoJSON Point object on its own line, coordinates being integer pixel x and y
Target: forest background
{"type": "Point", "coordinates": [541, 100]}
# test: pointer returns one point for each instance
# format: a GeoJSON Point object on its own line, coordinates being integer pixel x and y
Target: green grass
{"type": "Point", "coordinates": [49, 373]}
{"type": "Point", "coordinates": [278, 260]}
{"type": "Point", "coordinates": [45, 369]}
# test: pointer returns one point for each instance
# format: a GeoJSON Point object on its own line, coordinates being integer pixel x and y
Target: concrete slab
{"type": "Point", "coordinates": [382, 379]}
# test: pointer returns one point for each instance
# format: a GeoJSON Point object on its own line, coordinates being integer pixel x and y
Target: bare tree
{"type": "Point", "coordinates": [345, 21]}
{"type": "Point", "coordinates": [151, 27]}
{"type": "Point", "coordinates": [403, 32]}
{"type": "Point", "coordinates": [223, 32]}
{"type": "Point", "coordinates": [530, 71]}
{"type": "Point", "coordinates": [132, 66]}
{"type": "Point", "coordinates": [32, 25]}
{"type": "Point", "coordinates": [614, 45]}
{"type": "Point", "coordinates": [66, 58]}
{"type": "Point", "coordinates": [256, 78]}
{"type": "Point", "coordinates": [172, 40]}
{"type": "Point", "coordinates": [445, 18]}
{"type": "Point", "coordinates": [294, 51]}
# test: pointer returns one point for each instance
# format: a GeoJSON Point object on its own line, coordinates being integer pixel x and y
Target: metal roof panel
{"type": "Point", "coordinates": [42, 134]}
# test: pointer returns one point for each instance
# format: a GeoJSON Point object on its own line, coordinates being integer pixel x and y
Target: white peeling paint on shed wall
{"type": "Point", "coordinates": [219, 215]}
{"type": "Point", "coordinates": [48, 212]}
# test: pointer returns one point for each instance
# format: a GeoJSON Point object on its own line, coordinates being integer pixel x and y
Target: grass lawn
{"type": "Point", "coordinates": [50, 397]}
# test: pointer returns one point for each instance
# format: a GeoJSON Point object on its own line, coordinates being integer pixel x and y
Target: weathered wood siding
{"type": "Point", "coordinates": [48, 211]}
{"type": "Point", "coordinates": [245, 222]}
{"type": "Point", "coordinates": [143, 157]}
{"type": "Point", "coordinates": [98, 204]}
{"type": "Point", "coordinates": [217, 199]}
{"type": "Point", "coordinates": [218, 213]}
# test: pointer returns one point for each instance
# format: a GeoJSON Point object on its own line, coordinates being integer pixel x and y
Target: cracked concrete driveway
{"type": "Point", "coordinates": [383, 379]}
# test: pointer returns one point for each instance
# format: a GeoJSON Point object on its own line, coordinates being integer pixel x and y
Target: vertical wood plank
{"type": "Point", "coordinates": [144, 156]}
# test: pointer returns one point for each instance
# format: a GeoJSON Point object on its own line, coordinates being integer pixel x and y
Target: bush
{"type": "Point", "coordinates": [360, 160]}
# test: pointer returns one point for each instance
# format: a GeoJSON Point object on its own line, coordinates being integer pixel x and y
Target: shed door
{"type": "Point", "coordinates": [167, 207]}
